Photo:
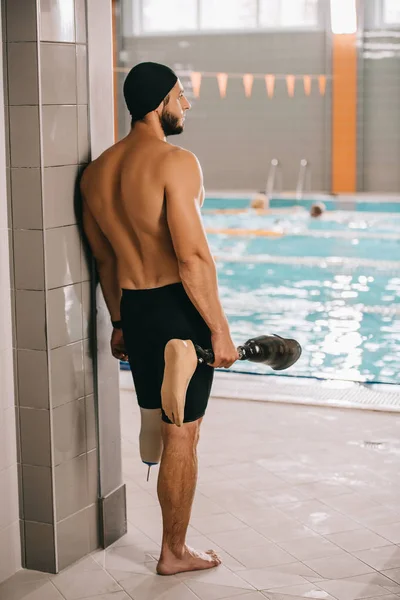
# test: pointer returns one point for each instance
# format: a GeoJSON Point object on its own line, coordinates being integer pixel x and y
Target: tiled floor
{"type": "Point", "coordinates": [296, 499]}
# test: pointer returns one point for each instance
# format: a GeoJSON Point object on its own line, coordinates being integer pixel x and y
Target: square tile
{"type": "Point", "coordinates": [69, 431]}
{"type": "Point", "coordinates": [31, 333]}
{"type": "Point", "coordinates": [88, 367]}
{"type": "Point", "coordinates": [64, 315]}
{"type": "Point", "coordinates": [92, 516]}
{"type": "Point", "coordinates": [73, 542]}
{"type": "Point", "coordinates": [343, 589]}
{"type": "Point", "coordinates": [271, 578]}
{"type": "Point", "coordinates": [83, 135]}
{"type": "Point", "coordinates": [23, 80]}
{"type": "Point", "coordinates": [37, 493]}
{"type": "Point", "coordinates": [10, 554]}
{"type": "Point", "coordinates": [262, 556]}
{"type": "Point", "coordinates": [390, 532]}
{"type": "Point", "coordinates": [81, 74]}
{"type": "Point", "coordinates": [337, 567]}
{"type": "Point", "coordinates": [9, 509]}
{"type": "Point", "coordinates": [66, 374]}
{"type": "Point", "coordinates": [71, 488]}
{"type": "Point", "coordinates": [8, 446]}
{"type": "Point", "coordinates": [361, 539]}
{"type": "Point", "coordinates": [35, 437]}
{"type": "Point", "coordinates": [58, 73]}
{"type": "Point", "coordinates": [24, 136]}
{"type": "Point", "coordinates": [75, 586]}
{"type": "Point", "coordinates": [386, 557]}
{"type": "Point", "coordinates": [28, 259]}
{"type": "Point", "coordinates": [21, 30]}
{"type": "Point", "coordinates": [156, 588]}
{"type": "Point", "coordinates": [26, 199]}
{"type": "Point", "coordinates": [113, 517]}
{"type": "Point", "coordinates": [217, 523]}
{"type": "Point", "coordinates": [63, 256]}
{"type": "Point", "coordinates": [40, 548]}
{"type": "Point", "coordinates": [91, 432]}
{"type": "Point", "coordinates": [60, 135]}
{"type": "Point", "coordinates": [57, 20]}
{"type": "Point", "coordinates": [313, 547]}
{"type": "Point", "coordinates": [237, 540]}
{"type": "Point", "coordinates": [59, 191]}
{"type": "Point", "coordinates": [80, 21]}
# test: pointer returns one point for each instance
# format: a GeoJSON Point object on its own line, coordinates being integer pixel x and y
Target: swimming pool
{"type": "Point", "coordinates": [332, 283]}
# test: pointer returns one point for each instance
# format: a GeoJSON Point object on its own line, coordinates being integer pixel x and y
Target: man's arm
{"type": "Point", "coordinates": [184, 186]}
{"type": "Point", "coordinates": [106, 263]}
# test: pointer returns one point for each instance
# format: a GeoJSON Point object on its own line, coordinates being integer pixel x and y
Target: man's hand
{"type": "Point", "coordinates": [225, 352]}
{"type": "Point", "coordinates": [118, 345]}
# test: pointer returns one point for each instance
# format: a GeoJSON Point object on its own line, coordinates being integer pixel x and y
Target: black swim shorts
{"type": "Point", "coordinates": [150, 318]}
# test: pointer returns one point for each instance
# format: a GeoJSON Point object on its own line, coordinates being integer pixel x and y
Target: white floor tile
{"type": "Point", "coordinates": [343, 589]}
{"type": "Point", "coordinates": [217, 523]}
{"type": "Point", "coordinates": [311, 547]}
{"type": "Point", "coordinates": [267, 555]}
{"type": "Point", "coordinates": [125, 558]}
{"type": "Point", "coordinates": [378, 579]}
{"type": "Point", "coordinates": [38, 589]}
{"type": "Point", "coordinates": [115, 596]}
{"type": "Point", "coordinates": [387, 557]}
{"type": "Point", "coordinates": [337, 567]}
{"type": "Point", "coordinates": [240, 539]}
{"type": "Point", "coordinates": [220, 576]}
{"type": "Point", "coordinates": [361, 539]}
{"type": "Point", "coordinates": [213, 591]}
{"type": "Point", "coordinates": [393, 574]}
{"type": "Point", "coordinates": [143, 587]}
{"type": "Point", "coordinates": [307, 590]}
{"type": "Point", "coordinates": [391, 532]}
{"type": "Point", "coordinates": [271, 578]}
{"type": "Point", "coordinates": [74, 586]}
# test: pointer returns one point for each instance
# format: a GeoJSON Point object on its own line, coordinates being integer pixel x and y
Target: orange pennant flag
{"type": "Point", "coordinates": [307, 85]}
{"type": "Point", "coordinates": [248, 84]}
{"type": "Point", "coordinates": [322, 84]}
{"type": "Point", "coordinates": [196, 83]}
{"type": "Point", "coordinates": [222, 79]}
{"type": "Point", "coordinates": [290, 82]}
{"type": "Point", "coordinates": [270, 83]}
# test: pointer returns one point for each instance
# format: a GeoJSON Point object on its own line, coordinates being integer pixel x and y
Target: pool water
{"type": "Point", "coordinates": [334, 285]}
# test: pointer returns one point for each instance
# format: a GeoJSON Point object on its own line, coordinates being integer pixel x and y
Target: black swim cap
{"type": "Point", "coordinates": [146, 86]}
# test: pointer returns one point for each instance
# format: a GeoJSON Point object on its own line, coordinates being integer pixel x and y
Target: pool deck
{"type": "Point", "coordinates": [298, 391]}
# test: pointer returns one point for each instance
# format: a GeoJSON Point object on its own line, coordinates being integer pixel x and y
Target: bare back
{"type": "Point", "coordinates": [124, 190]}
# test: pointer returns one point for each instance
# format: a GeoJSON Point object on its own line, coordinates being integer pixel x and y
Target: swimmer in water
{"type": "Point", "coordinates": [317, 210]}
{"type": "Point", "coordinates": [260, 201]}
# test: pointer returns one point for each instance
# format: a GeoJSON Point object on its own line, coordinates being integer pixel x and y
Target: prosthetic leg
{"type": "Point", "coordinates": [181, 359]}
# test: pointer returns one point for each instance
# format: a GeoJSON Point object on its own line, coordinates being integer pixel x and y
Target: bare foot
{"type": "Point", "coordinates": [192, 560]}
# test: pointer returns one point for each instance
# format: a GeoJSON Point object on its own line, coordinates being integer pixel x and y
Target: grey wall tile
{"type": "Point", "coordinates": [28, 259]}
{"type": "Point", "coordinates": [57, 20]}
{"type": "Point", "coordinates": [27, 198]}
{"type": "Point", "coordinates": [9, 509]}
{"type": "Point", "coordinates": [81, 74]}
{"type": "Point", "coordinates": [58, 73]}
{"type": "Point", "coordinates": [21, 29]}
{"type": "Point", "coordinates": [40, 547]}
{"type": "Point", "coordinates": [63, 256]}
{"type": "Point", "coordinates": [73, 539]}
{"type": "Point", "coordinates": [83, 135]}
{"type": "Point", "coordinates": [92, 516]}
{"type": "Point", "coordinates": [23, 81]}
{"type": "Point", "coordinates": [37, 494]}
{"type": "Point", "coordinates": [80, 21]}
{"type": "Point", "coordinates": [33, 379]}
{"type": "Point", "coordinates": [31, 332]}
{"type": "Point", "coordinates": [69, 431]}
{"type": "Point", "coordinates": [91, 433]}
{"type": "Point", "coordinates": [5, 61]}
{"type": "Point", "coordinates": [113, 516]}
{"type": "Point", "coordinates": [60, 136]}
{"type": "Point", "coordinates": [88, 366]}
{"type": "Point", "coordinates": [67, 374]}
{"type": "Point", "coordinates": [10, 551]}
{"type": "Point", "coordinates": [24, 136]}
{"type": "Point", "coordinates": [110, 465]}
{"type": "Point", "coordinates": [87, 315]}
{"type": "Point", "coordinates": [7, 136]}
{"type": "Point", "coordinates": [9, 203]}
{"type": "Point", "coordinates": [58, 190]}
{"type": "Point", "coordinates": [8, 446]}
{"type": "Point", "coordinates": [64, 315]}
{"type": "Point", "coordinates": [71, 489]}
{"type": "Point", "coordinates": [93, 476]}
{"type": "Point", "coordinates": [85, 262]}
{"type": "Point", "coordinates": [35, 437]}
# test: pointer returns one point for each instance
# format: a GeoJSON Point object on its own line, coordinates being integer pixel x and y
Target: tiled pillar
{"type": "Point", "coordinates": [57, 391]}
{"type": "Point", "coordinates": [10, 550]}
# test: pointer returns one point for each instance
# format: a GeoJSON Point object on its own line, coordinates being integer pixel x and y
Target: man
{"type": "Point", "coordinates": [142, 201]}
{"type": "Point", "coordinates": [317, 210]}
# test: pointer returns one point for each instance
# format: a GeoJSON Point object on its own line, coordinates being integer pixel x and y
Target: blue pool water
{"type": "Point", "coordinates": [333, 284]}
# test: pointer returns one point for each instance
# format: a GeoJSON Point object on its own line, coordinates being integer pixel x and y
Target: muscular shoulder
{"type": "Point", "coordinates": [178, 162]}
